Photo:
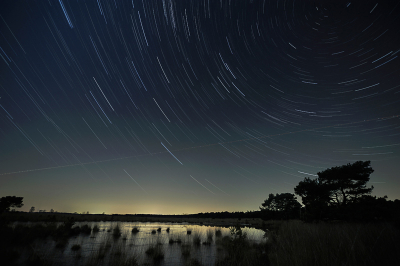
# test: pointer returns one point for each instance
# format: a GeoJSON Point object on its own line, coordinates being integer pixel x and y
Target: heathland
{"type": "Point", "coordinates": [61, 239]}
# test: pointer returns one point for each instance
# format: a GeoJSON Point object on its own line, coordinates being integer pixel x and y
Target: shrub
{"type": "Point", "coordinates": [135, 230]}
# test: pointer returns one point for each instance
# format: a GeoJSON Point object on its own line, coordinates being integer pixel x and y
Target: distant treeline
{"type": "Point", "coordinates": [59, 216]}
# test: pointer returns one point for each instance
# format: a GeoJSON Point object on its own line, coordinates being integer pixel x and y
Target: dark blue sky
{"type": "Point", "coordinates": [193, 106]}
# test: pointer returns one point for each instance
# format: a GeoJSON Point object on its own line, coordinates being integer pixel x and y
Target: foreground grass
{"type": "Point", "coordinates": [298, 243]}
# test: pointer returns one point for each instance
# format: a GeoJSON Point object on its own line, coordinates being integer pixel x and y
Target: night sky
{"type": "Point", "coordinates": [187, 106]}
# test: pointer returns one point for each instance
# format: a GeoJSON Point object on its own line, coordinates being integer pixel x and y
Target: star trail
{"type": "Point", "coordinates": [209, 105]}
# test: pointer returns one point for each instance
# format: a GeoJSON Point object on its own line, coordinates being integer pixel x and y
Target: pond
{"type": "Point", "coordinates": [153, 244]}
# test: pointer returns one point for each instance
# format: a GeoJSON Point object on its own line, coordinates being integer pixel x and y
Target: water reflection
{"type": "Point", "coordinates": [103, 247]}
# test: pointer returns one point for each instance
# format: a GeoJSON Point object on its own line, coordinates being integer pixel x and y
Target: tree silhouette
{"type": "Point", "coordinates": [10, 202]}
{"type": "Point", "coordinates": [282, 205]}
{"type": "Point", "coordinates": [335, 187]}
{"type": "Point", "coordinates": [348, 182]}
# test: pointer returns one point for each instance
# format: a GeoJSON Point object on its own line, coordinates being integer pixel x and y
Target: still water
{"type": "Point", "coordinates": [129, 244]}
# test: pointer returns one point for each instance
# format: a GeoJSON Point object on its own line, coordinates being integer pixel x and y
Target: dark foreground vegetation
{"type": "Point", "coordinates": [340, 223]}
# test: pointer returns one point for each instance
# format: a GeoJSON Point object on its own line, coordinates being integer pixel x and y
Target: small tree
{"type": "Point", "coordinates": [10, 202]}
{"type": "Point", "coordinates": [282, 205]}
{"type": "Point", "coordinates": [32, 209]}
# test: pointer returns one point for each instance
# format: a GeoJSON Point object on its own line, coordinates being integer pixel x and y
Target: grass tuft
{"type": "Point", "coordinates": [85, 229]}
{"type": "Point", "coordinates": [156, 252]}
{"type": "Point", "coordinates": [96, 228]}
{"type": "Point", "coordinates": [196, 239]}
{"type": "Point", "coordinates": [117, 231]}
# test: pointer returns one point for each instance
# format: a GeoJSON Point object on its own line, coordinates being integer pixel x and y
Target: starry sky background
{"type": "Point", "coordinates": [171, 107]}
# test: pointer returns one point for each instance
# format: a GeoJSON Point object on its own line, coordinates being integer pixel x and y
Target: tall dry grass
{"type": "Point", "coordinates": [297, 244]}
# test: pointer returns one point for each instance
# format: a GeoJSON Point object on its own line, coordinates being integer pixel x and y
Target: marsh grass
{"type": "Point", "coordinates": [299, 243]}
{"type": "Point", "coordinates": [85, 229]}
{"type": "Point", "coordinates": [218, 232]}
{"type": "Point", "coordinates": [196, 237]}
{"type": "Point", "coordinates": [101, 253]}
{"type": "Point", "coordinates": [61, 243]}
{"type": "Point", "coordinates": [185, 250]}
{"type": "Point", "coordinates": [156, 252]}
{"type": "Point", "coordinates": [236, 249]}
{"type": "Point", "coordinates": [194, 262]}
{"type": "Point", "coordinates": [173, 238]}
{"type": "Point", "coordinates": [35, 258]}
{"type": "Point", "coordinates": [209, 237]}
{"type": "Point", "coordinates": [117, 231]}
{"type": "Point", "coordinates": [76, 247]}
{"type": "Point", "coordinates": [96, 228]}
{"type": "Point", "coordinates": [117, 254]}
